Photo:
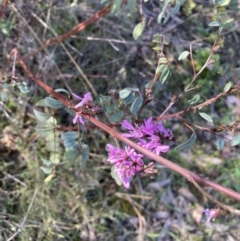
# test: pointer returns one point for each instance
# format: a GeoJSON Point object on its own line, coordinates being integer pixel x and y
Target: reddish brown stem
{"type": "Point", "coordinates": [187, 174]}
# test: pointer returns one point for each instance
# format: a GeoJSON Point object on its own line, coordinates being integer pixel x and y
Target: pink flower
{"type": "Point", "coordinates": [78, 118]}
{"type": "Point", "coordinates": [212, 213]}
{"type": "Point", "coordinates": [126, 163]}
{"type": "Point", "coordinates": [84, 101]}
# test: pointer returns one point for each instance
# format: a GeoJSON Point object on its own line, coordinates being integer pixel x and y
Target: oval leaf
{"type": "Point", "coordinates": [70, 143]}
{"type": "Point", "coordinates": [116, 117]}
{"type": "Point", "coordinates": [115, 176]}
{"type": "Point", "coordinates": [49, 178]}
{"type": "Point", "coordinates": [123, 94]}
{"type": "Point", "coordinates": [160, 17]}
{"type": "Point", "coordinates": [47, 170]}
{"type": "Point", "coordinates": [46, 162]}
{"type": "Point", "coordinates": [136, 105]}
{"type": "Point", "coordinates": [70, 111]}
{"type": "Point", "coordinates": [139, 28]}
{"type": "Point", "coordinates": [41, 103]}
{"type": "Point", "coordinates": [53, 103]}
{"type": "Point", "coordinates": [227, 87]}
{"type": "Point", "coordinates": [165, 75]}
{"type": "Point", "coordinates": [129, 99]}
{"type": "Point", "coordinates": [62, 90]}
{"type": "Point", "coordinates": [194, 100]}
{"type": "Point", "coordinates": [188, 143]}
{"type": "Point", "coordinates": [183, 55]}
{"type": "Point", "coordinates": [236, 140]}
{"type": "Point", "coordinates": [221, 3]}
{"type": "Point", "coordinates": [44, 132]}
{"type": "Point", "coordinates": [70, 135]}
{"type": "Point", "coordinates": [214, 24]}
{"type": "Point", "coordinates": [206, 117]}
{"type": "Point", "coordinates": [41, 116]}
{"type": "Point", "coordinates": [71, 154]}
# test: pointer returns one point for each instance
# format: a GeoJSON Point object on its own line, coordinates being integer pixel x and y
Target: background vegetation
{"type": "Point", "coordinates": [84, 203]}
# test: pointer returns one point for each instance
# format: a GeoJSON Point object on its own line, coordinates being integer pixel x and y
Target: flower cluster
{"type": "Point", "coordinates": [150, 135]}
{"type": "Point", "coordinates": [211, 214]}
{"type": "Point", "coordinates": [86, 105]}
{"type": "Point", "coordinates": [126, 161]}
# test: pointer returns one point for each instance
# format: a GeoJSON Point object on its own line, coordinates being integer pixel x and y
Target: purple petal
{"type": "Point", "coordinates": [81, 120]}
{"type": "Point", "coordinates": [77, 97]}
{"type": "Point", "coordinates": [75, 119]}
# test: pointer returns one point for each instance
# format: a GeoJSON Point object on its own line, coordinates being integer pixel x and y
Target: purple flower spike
{"type": "Point", "coordinates": [126, 163]}
{"type": "Point", "coordinates": [133, 132]}
{"type": "Point", "coordinates": [87, 98]}
{"type": "Point", "coordinates": [212, 213]}
{"type": "Point", "coordinates": [78, 118]}
{"type": "Point", "coordinates": [85, 101]}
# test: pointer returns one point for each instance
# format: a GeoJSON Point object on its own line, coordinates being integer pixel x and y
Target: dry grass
{"type": "Point", "coordinates": [86, 204]}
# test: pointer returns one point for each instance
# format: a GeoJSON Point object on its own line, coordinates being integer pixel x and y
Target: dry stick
{"type": "Point", "coordinates": [3, 8]}
{"type": "Point", "coordinates": [235, 88]}
{"type": "Point", "coordinates": [187, 174]}
{"type": "Point", "coordinates": [79, 27]}
{"type": "Point", "coordinates": [208, 61]}
{"type": "Point", "coordinates": [192, 177]}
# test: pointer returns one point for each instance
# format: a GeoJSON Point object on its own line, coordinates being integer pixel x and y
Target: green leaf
{"type": "Point", "coordinates": [220, 144]}
{"type": "Point", "coordinates": [206, 117]}
{"type": "Point", "coordinates": [129, 99]}
{"type": "Point", "coordinates": [176, 7]}
{"type": "Point", "coordinates": [85, 153]}
{"type": "Point", "coordinates": [227, 87]}
{"type": "Point", "coordinates": [166, 2]}
{"type": "Point", "coordinates": [165, 75]}
{"type": "Point", "coordinates": [116, 6]}
{"type": "Point", "coordinates": [55, 158]}
{"type": "Point", "coordinates": [116, 117]}
{"type": "Point", "coordinates": [139, 28]}
{"type": "Point", "coordinates": [188, 143]}
{"type": "Point", "coordinates": [228, 24]}
{"type": "Point", "coordinates": [70, 135]}
{"type": "Point", "coordinates": [22, 87]}
{"type": "Point", "coordinates": [53, 103]}
{"type": "Point", "coordinates": [166, 18]}
{"type": "Point", "coordinates": [53, 146]}
{"type": "Point", "coordinates": [41, 103]}
{"type": "Point", "coordinates": [161, 68]}
{"type": "Point", "coordinates": [131, 5]}
{"type": "Point", "coordinates": [62, 90]}
{"type": "Point", "coordinates": [46, 162]}
{"type": "Point", "coordinates": [47, 170]}
{"type": "Point", "coordinates": [194, 100]}
{"type": "Point", "coordinates": [71, 154]}
{"type": "Point", "coordinates": [214, 24]}
{"type": "Point", "coordinates": [221, 3]}
{"type": "Point", "coordinates": [160, 17]}
{"type": "Point", "coordinates": [70, 143]}
{"type": "Point", "coordinates": [49, 178]}
{"type": "Point", "coordinates": [115, 176]}
{"type": "Point", "coordinates": [44, 132]}
{"type": "Point", "coordinates": [70, 111]}
{"type": "Point", "coordinates": [136, 105]}
{"type": "Point", "coordinates": [236, 140]}
{"type": "Point", "coordinates": [123, 94]}
{"type": "Point", "coordinates": [183, 55]}
{"type": "Point", "coordinates": [41, 116]}
{"type": "Point", "coordinates": [52, 121]}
